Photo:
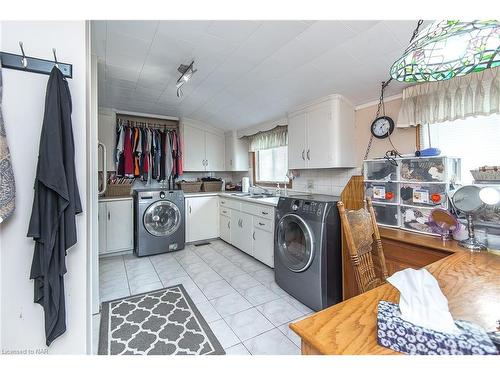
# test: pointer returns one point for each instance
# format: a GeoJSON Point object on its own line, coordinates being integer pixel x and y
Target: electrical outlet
{"type": "Point", "coordinates": [310, 184]}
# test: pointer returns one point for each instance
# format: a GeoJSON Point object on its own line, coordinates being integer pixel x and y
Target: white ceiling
{"type": "Point", "coordinates": [248, 71]}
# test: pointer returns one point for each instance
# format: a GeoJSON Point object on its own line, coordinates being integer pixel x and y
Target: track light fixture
{"type": "Point", "coordinates": [187, 72]}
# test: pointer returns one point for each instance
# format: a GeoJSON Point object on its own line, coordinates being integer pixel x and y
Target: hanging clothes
{"type": "Point", "coordinates": [175, 154]}
{"type": "Point", "coordinates": [180, 165]}
{"type": "Point", "coordinates": [169, 162]}
{"type": "Point", "coordinates": [137, 151]}
{"type": "Point", "coordinates": [128, 153]}
{"type": "Point", "coordinates": [7, 182]}
{"type": "Point", "coordinates": [56, 202]}
{"type": "Point", "coordinates": [163, 140]}
{"type": "Point", "coordinates": [119, 159]}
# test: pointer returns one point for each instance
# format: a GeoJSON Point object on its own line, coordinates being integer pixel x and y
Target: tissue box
{"type": "Point", "coordinates": [399, 335]}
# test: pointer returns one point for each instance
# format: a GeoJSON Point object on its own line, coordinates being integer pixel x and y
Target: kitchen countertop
{"type": "Point", "coordinates": [269, 201]}
{"type": "Point", "coordinates": [112, 199]}
{"type": "Point", "coordinates": [470, 281]}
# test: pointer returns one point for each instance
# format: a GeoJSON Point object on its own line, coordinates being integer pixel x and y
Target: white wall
{"type": "Point", "coordinates": [22, 321]}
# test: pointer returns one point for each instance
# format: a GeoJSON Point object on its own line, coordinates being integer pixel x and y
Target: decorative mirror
{"type": "Point", "coordinates": [442, 222]}
{"type": "Point", "coordinates": [467, 199]}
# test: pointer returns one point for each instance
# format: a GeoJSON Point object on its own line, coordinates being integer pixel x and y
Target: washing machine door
{"type": "Point", "coordinates": [295, 243]}
{"type": "Point", "coordinates": [162, 218]}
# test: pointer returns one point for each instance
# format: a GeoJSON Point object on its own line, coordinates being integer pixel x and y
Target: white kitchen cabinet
{"type": "Point", "coordinates": [202, 220]}
{"type": "Point", "coordinates": [242, 231]}
{"type": "Point", "coordinates": [193, 152]}
{"type": "Point", "coordinates": [296, 141]}
{"type": "Point", "coordinates": [116, 227]}
{"type": "Point", "coordinates": [322, 135]}
{"type": "Point", "coordinates": [225, 227]}
{"type": "Point", "coordinates": [263, 246]}
{"type": "Point", "coordinates": [214, 152]}
{"type": "Point", "coordinates": [203, 150]}
{"type": "Point", "coordinates": [236, 153]}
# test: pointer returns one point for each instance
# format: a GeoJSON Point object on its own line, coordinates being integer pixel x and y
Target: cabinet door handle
{"type": "Point", "coordinates": [253, 235]}
{"type": "Point", "coordinates": [303, 158]}
{"type": "Point", "coordinates": [308, 151]}
{"type": "Point", "coordinates": [109, 215]}
{"type": "Point", "coordinates": [261, 224]}
{"type": "Point", "coordinates": [228, 225]}
{"type": "Point", "coordinates": [265, 213]}
{"type": "Point", "coordinates": [189, 209]}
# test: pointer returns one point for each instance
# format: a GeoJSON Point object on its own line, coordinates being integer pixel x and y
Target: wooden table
{"type": "Point", "coordinates": [470, 281]}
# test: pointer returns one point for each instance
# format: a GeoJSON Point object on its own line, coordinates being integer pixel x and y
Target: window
{"type": "Point", "coordinates": [475, 140]}
{"type": "Point", "coordinates": [271, 165]}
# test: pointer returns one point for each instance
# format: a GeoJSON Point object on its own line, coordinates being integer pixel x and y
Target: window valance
{"type": "Point", "coordinates": [276, 137]}
{"type": "Point", "coordinates": [458, 98]}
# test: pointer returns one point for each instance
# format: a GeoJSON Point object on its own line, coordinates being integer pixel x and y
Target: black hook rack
{"type": "Point", "coordinates": [33, 64]}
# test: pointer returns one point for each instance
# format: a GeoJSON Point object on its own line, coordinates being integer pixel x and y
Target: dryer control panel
{"type": "Point", "coordinates": [308, 207]}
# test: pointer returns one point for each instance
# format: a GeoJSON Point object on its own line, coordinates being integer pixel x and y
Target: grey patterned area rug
{"type": "Point", "coordinates": [164, 321]}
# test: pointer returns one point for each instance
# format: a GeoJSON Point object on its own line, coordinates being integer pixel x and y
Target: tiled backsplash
{"type": "Point", "coordinates": [323, 181]}
{"type": "Point", "coordinates": [319, 181]}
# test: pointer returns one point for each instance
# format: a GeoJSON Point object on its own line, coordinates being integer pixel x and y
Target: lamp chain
{"type": "Point", "coordinates": [415, 32]}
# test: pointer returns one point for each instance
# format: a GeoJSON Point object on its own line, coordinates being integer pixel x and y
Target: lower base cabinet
{"type": "Point", "coordinates": [249, 227]}
{"type": "Point", "coordinates": [201, 218]}
{"type": "Point", "coordinates": [241, 231]}
{"type": "Point", "coordinates": [116, 229]}
{"type": "Point", "coordinates": [225, 227]}
{"type": "Point", "coordinates": [263, 243]}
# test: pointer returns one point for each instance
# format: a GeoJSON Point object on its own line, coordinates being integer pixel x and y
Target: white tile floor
{"type": "Point", "coordinates": [247, 311]}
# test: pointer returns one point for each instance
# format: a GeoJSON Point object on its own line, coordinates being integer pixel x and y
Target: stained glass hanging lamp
{"type": "Point", "coordinates": [447, 49]}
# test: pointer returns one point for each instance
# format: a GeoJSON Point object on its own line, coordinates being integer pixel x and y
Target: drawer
{"type": "Point", "coordinates": [229, 203]}
{"type": "Point", "coordinates": [386, 214]}
{"type": "Point", "coordinates": [416, 219]}
{"type": "Point", "coordinates": [260, 210]}
{"type": "Point", "coordinates": [424, 195]}
{"type": "Point", "coordinates": [224, 211]}
{"type": "Point", "coordinates": [382, 191]}
{"type": "Point", "coordinates": [430, 169]}
{"type": "Point", "coordinates": [264, 224]}
{"type": "Point", "coordinates": [380, 170]}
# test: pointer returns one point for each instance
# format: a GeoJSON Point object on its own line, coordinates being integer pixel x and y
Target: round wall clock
{"type": "Point", "coordinates": [382, 127]}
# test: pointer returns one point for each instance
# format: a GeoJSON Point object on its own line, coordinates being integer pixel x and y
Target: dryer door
{"type": "Point", "coordinates": [295, 243]}
{"type": "Point", "coordinates": [162, 218]}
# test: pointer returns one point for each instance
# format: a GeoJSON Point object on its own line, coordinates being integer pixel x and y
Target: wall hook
{"type": "Point", "coordinates": [24, 61]}
{"type": "Point", "coordinates": [55, 58]}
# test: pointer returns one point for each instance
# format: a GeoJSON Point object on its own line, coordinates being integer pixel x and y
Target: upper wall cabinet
{"type": "Point", "coordinates": [203, 150]}
{"type": "Point", "coordinates": [236, 153]}
{"type": "Point", "coordinates": [322, 135]}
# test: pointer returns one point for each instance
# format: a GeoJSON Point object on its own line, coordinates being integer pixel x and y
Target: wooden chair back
{"type": "Point", "coordinates": [362, 236]}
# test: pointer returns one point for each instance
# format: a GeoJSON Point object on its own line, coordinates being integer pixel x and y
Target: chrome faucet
{"type": "Point", "coordinates": [265, 190]}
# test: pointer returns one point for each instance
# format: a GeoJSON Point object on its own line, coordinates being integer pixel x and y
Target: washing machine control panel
{"type": "Point", "coordinates": [307, 207]}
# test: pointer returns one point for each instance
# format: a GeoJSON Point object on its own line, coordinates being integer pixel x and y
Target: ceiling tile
{"type": "Point", "coordinates": [233, 31]}
{"type": "Point", "coordinates": [144, 30]}
{"type": "Point", "coordinates": [248, 71]}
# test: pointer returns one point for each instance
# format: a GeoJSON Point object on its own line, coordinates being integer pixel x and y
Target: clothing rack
{"type": "Point", "coordinates": [148, 122]}
{"type": "Point", "coordinates": [152, 152]}
{"type": "Point", "coordinates": [34, 65]}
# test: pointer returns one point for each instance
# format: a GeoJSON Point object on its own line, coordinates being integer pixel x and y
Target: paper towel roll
{"type": "Point", "coordinates": [245, 184]}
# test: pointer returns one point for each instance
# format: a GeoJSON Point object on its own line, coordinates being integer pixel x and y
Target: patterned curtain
{"type": "Point", "coordinates": [276, 137]}
{"type": "Point", "coordinates": [475, 94]}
